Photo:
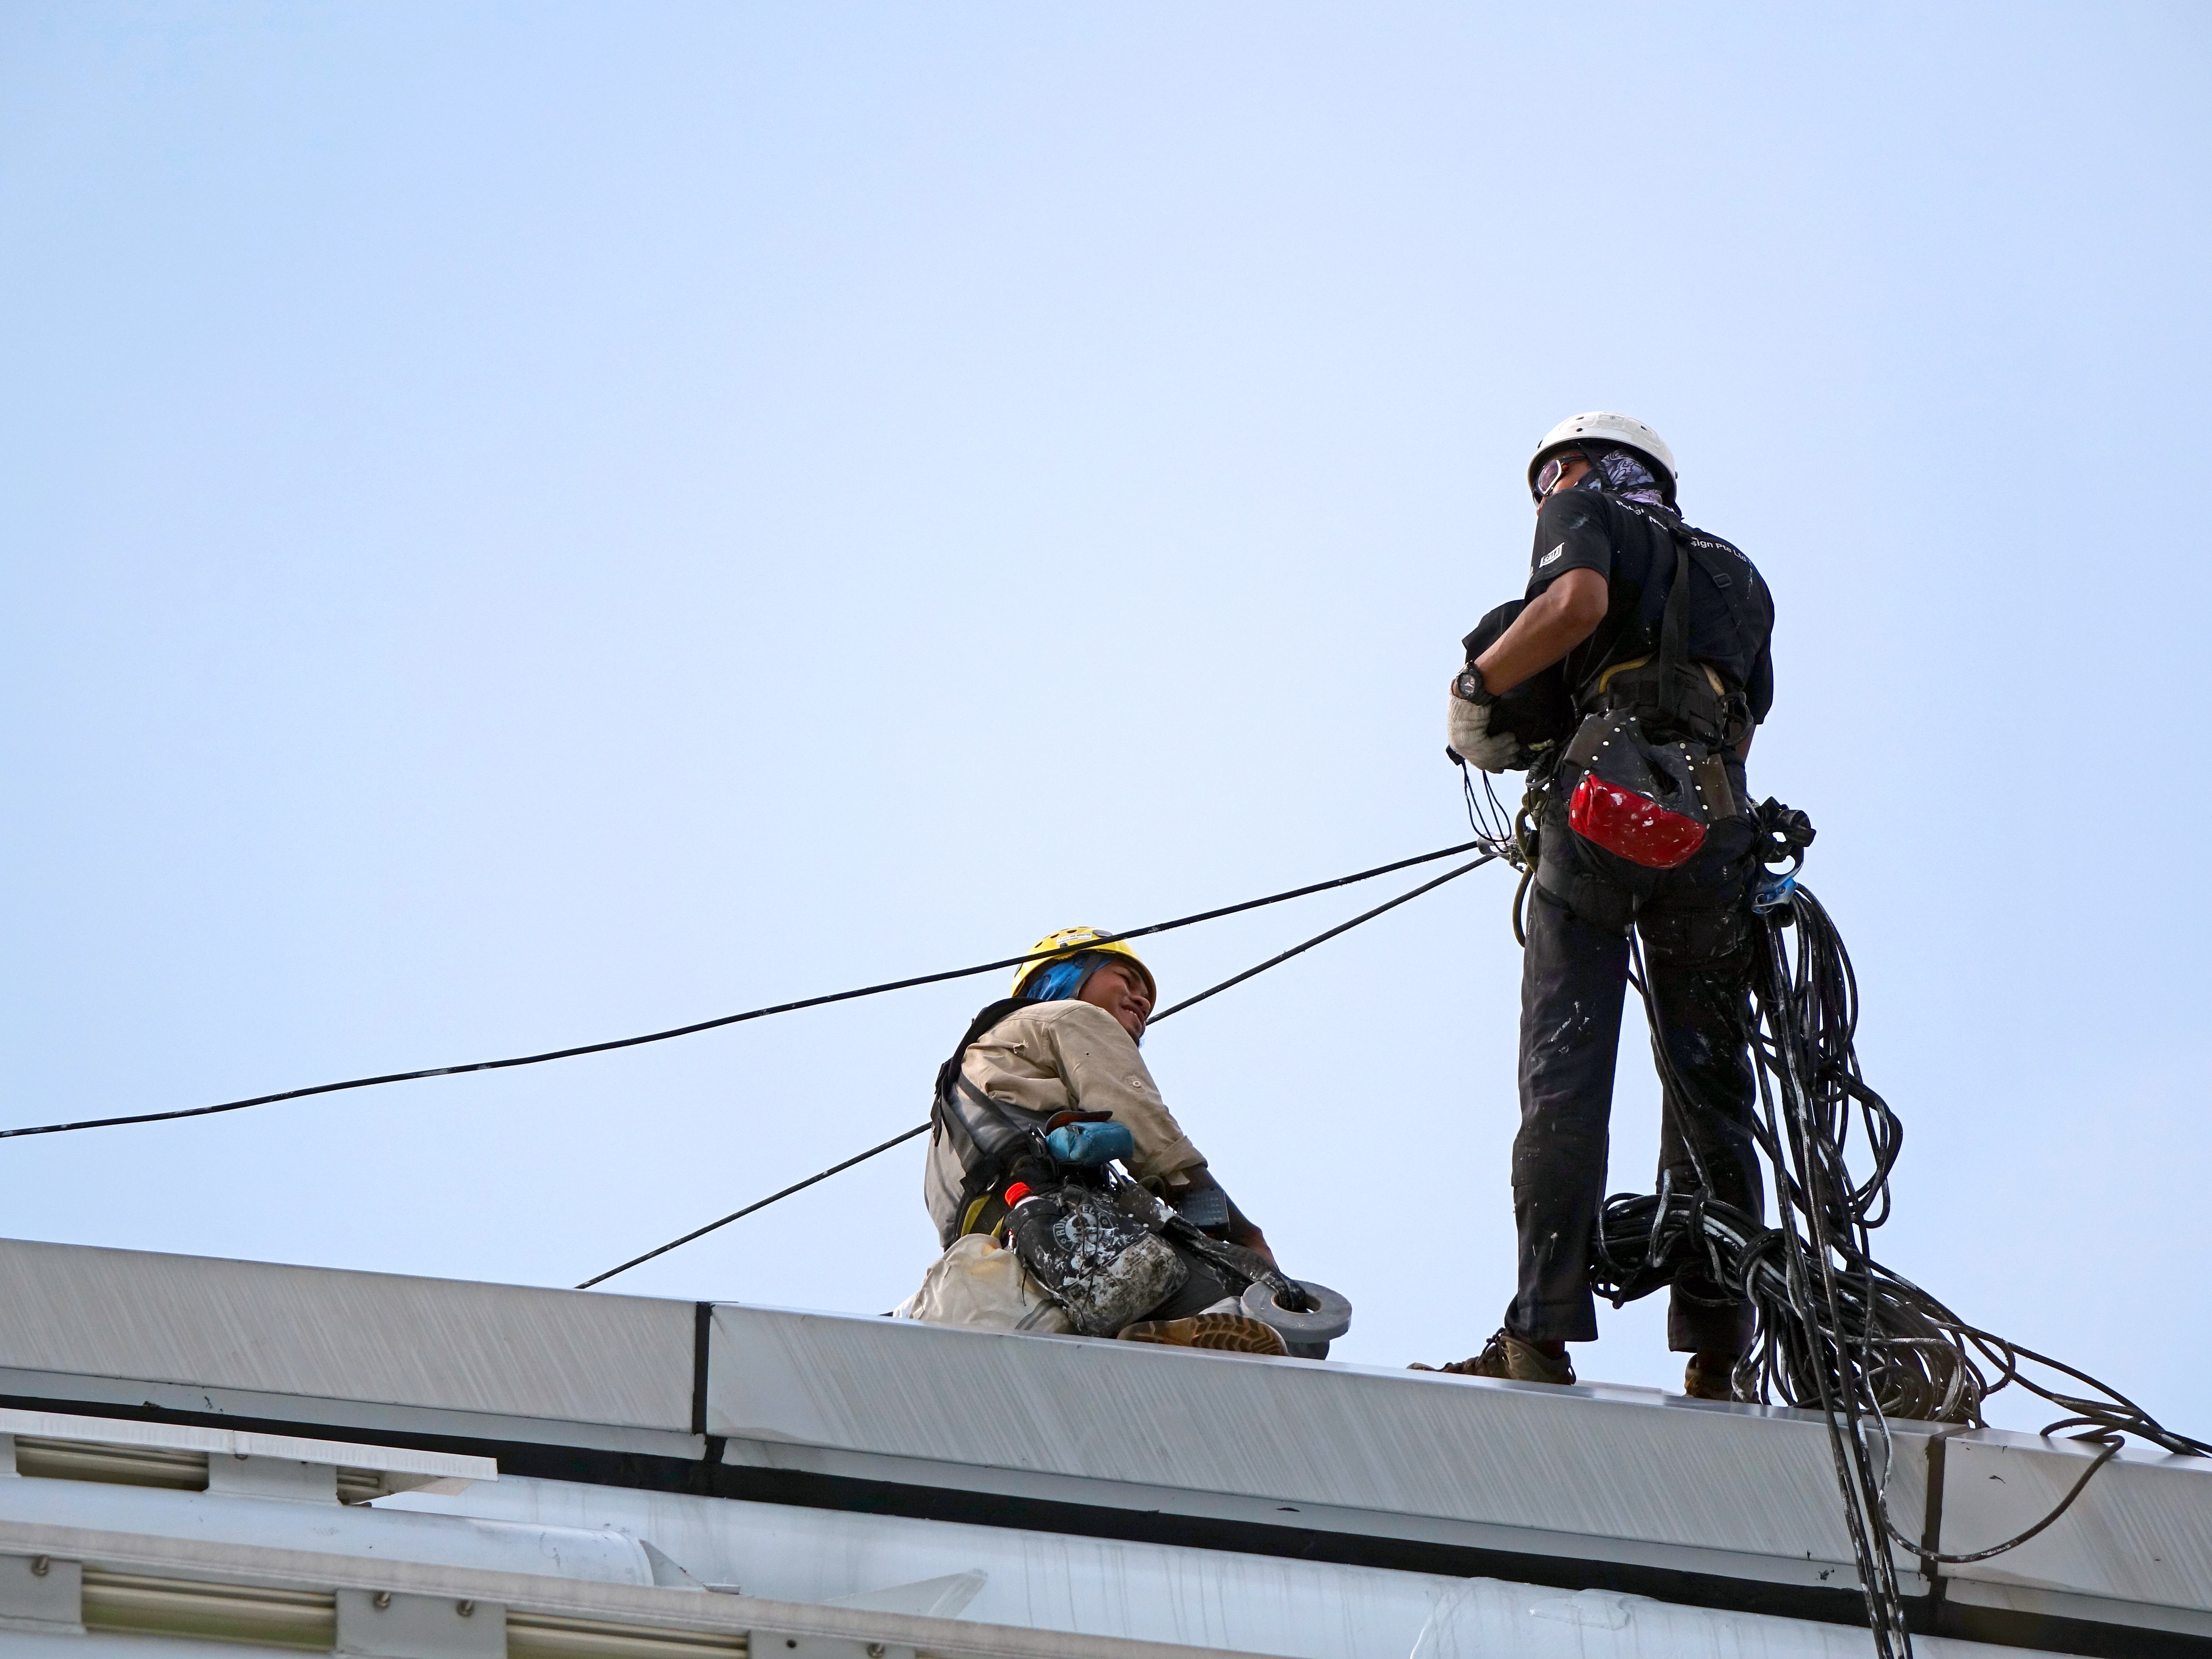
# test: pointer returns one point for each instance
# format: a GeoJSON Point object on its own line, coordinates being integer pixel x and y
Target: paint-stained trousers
{"type": "Point", "coordinates": [1698, 935]}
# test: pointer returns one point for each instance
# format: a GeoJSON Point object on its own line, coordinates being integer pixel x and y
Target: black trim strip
{"type": "Point", "coordinates": [1931, 1522]}
{"type": "Point", "coordinates": [1841, 1605]}
{"type": "Point", "coordinates": [820, 1491]}
{"type": "Point", "coordinates": [702, 1331]}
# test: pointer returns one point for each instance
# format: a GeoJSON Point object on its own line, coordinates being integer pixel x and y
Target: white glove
{"type": "Point", "coordinates": [1467, 728]}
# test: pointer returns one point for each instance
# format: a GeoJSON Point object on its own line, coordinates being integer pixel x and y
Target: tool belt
{"type": "Point", "coordinates": [1650, 803]}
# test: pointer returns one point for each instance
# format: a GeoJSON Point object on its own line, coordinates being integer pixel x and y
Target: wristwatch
{"type": "Point", "coordinates": [1469, 687]}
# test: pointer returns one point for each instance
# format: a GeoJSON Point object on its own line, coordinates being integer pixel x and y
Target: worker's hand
{"type": "Point", "coordinates": [1467, 728]}
{"type": "Point", "coordinates": [1243, 1231]}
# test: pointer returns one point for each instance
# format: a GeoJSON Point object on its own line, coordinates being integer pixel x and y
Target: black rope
{"type": "Point", "coordinates": [739, 1215]}
{"type": "Point", "coordinates": [726, 1019]}
{"type": "Point", "coordinates": [1321, 939]}
{"type": "Point", "coordinates": [919, 1128]}
{"type": "Point", "coordinates": [2112, 1444]}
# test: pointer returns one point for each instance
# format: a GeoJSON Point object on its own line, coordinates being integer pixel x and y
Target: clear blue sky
{"type": "Point", "coordinates": [525, 523]}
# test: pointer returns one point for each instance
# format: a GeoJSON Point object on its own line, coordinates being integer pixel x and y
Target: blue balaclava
{"type": "Point", "coordinates": [1061, 981]}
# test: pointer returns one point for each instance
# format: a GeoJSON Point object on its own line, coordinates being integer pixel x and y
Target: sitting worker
{"type": "Point", "coordinates": [1654, 637]}
{"type": "Point", "coordinates": [1044, 1095]}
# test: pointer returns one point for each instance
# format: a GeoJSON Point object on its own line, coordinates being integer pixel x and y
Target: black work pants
{"type": "Point", "coordinates": [1698, 935]}
{"type": "Point", "coordinates": [1201, 1291]}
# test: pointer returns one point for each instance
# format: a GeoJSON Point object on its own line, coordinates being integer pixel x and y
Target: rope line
{"type": "Point", "coordinates": [1321, 939]}
{"type": "Point", "coordinates": [726, 1019]}
{"type": "Point", "coordinates": [739, 1215]}
{"type": "Point", "coordinates": [919, 1128]}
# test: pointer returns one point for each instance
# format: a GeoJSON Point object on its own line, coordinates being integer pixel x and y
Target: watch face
{"type": "Point", "coordinates": [1469, 687]}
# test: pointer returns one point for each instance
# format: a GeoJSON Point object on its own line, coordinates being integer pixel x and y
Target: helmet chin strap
{"type": "Point", "coordinates": [1595, 475]}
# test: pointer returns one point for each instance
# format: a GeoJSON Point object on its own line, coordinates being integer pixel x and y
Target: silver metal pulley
{"type": "Point", "coordinates": [1329, 1318]}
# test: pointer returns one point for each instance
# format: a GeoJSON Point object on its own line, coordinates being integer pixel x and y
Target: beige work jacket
{"type": "Point", "coordinates": [1069, 1056]}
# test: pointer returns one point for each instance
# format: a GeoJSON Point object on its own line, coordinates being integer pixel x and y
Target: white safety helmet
{"type": "Point", "coordinates": [1603, 427]}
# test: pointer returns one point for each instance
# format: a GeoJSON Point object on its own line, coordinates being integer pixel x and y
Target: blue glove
{"type": "Point", "coordinates": [1091, 1144]}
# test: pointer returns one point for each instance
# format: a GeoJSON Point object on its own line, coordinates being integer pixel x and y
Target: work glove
{"type": "Point", "coordinates": [1467, 729]}
{"type": "Point", "coordinates": [1090, 1145]}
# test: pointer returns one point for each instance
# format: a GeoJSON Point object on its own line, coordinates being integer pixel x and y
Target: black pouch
{"type": "Point", "coordinates": [1101, 1263]}
{"type": "Point", "coordinates": [1649, 803]}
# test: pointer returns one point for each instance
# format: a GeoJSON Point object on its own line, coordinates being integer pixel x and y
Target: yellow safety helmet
{"type": "Point", "coordinates": [1076, 941]}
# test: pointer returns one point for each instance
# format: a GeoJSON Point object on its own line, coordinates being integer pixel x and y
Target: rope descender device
{"type": "Point", "coordinates": [1784, 833]}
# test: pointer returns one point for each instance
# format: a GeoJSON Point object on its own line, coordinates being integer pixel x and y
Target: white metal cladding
{"type": "Point", "coordinates": [1487, 1619]}
{"type": "Point", "coordinates": [1062, 1594]}
{"type": "Point", "coordinates": [1591, 1460]}
{"type": "Point", "coordinates": [1160, 1593]}
{"type": "Point", "coordinates": [361, 1532]}
{"type": "Point", "coordinates": [1442, 1619]}
{"type": "Point", "coordinates": [773, 1626]}
{"type": "Point", "coordinates": [498, 1349]}
{"type": "Point", "coordinates": [237, 1443]}
{"type": "Point", "coordinates": [1047, 1581]}
{"type": "Point", "coordinates": [2140, 1531]}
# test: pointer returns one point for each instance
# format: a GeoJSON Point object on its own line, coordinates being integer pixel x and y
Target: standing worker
{"type": "Point", "coordinates": [1658, 634]}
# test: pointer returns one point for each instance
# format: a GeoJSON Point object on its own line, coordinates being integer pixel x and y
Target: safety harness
{"type": "Point", "coordinates": [987, 1133]}
{"type": "Point", "coordinates": [1669, 691]}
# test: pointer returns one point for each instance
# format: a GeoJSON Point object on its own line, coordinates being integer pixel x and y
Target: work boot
{"type": "Point", "coordinates": [1232, 1332]}
{"type": "Point", "coordinates": [1711, 1376]}
{"type": "Point", "coordinates": [1510, 1358]}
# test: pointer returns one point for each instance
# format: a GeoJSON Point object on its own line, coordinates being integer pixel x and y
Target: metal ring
{"type": "Point", "coordinates": [1331, 1316]}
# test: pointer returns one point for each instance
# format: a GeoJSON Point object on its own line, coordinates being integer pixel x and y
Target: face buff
{"type": "Point", "coordinates": [1629, 476]}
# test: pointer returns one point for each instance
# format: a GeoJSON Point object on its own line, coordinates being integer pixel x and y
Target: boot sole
{"type": "Point", "coordinates": [1224, 1333]}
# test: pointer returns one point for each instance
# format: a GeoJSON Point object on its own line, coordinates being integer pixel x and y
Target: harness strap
{"type": "Point", "coordinates": [1703, 547]}
{"type": "Point", "coordinates": [1712, 675]}
{"type": "Point", "coordinates": [1675, 691]}
{"type": "Point", "coordinates": [1675, 634]}
{"type": "Point", "coordinates": [980, 1165]}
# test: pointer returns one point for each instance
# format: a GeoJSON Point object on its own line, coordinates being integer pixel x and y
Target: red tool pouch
{"type": "Point", "coordinates": [1634, 826]}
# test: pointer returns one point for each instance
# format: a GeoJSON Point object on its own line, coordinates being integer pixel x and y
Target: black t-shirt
{"type": "Point", "coordinates": [1628, 545]}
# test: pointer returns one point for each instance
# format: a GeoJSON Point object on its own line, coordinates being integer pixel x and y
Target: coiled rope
{"type": "Point", "coordinates": [1838, 1332]}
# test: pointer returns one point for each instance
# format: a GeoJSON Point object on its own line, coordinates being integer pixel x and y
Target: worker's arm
{"type": "Point", "coordinates": [1099, 1063]}
{"type": "Point", "coordinates": [1104, 1072]}
{"type": "Point", "coordinates": [1551, 624]}
{"type": "Point", "coordinates": [1242, 1229]}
